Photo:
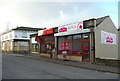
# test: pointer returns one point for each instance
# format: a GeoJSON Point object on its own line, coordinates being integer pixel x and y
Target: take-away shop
{"type": "Point", "coordinates": [88, 40]}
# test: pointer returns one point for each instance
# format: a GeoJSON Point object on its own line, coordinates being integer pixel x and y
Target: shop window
{"type": "Point", "coordinates": [61, 39]}
{"type": "Point", "coordinates": [76, 37]}
{"type": "Point", "coordinates": [85, 36]}
{"type": "Point", "coordinates": [65, 46]}
{"type": "Point", "coordinates": [43, 48]}
{"type": "Point", "coordinates": [49, 39]}
{"type": "Point", "coordinates": [68, 38]}
{"type": "Point", "coordinates": [59, 46]}
{"type": "Point", "coordinates": [69, 47]}
{"type": "Point", "coordinates": [23, 43]}
{"type": "Point", "coordinates": [26, 44]}
{"type": "Point", "coordinates": [35, 48]}
{"type": "Point", "coordinates": [86, 47]}
{"type": "Point", "coordinates": [49, 48]}
{"type": "Point", "coordinates": [77, 48]}
{"type": "Point", "coordinates": [15, 43]}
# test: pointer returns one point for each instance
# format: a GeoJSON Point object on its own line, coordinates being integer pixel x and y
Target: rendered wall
{"type": "Point", "coordinates": [106, 51]}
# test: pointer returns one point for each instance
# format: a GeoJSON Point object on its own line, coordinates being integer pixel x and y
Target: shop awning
{"type": "Point", "coordinates": [72, 32]}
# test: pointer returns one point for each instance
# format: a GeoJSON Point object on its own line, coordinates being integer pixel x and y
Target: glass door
{"type": "Point", "coordinates": [85, 48]}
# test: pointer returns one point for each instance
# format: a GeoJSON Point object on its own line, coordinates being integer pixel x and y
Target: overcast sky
{"type": "Point", "coordinates": [52, 14]}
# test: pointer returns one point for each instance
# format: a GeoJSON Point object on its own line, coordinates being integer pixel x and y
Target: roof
{"type": "Point", "coordinates": [101, 19]}
{"type": "Point", "coordinates": [24, 28]}
{"type": "Point", "coordinates": [119, 29]}
{"type": "Point", "coordinates": [28, 28]}
{"type": "Point", "coordinates": [98, 21]}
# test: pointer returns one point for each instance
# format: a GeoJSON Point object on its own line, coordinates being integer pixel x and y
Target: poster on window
{"type": "Point", "coordinates": [108, 38]}
{"type": "Point", "coordinates": [65, 46]}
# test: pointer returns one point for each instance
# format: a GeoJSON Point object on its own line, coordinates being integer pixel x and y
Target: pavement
{"type": "Point", "coordinates": [85, 65]}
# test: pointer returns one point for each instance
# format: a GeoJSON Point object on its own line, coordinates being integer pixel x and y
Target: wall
{"type": "Point", "coordinates": [106, 51]}
{"type": "Point", "coordinates": [7, 36]}
{"type": "Point", "coordinates": [7, 45]}
{"type": "Point", "coordinates": [119, 44]}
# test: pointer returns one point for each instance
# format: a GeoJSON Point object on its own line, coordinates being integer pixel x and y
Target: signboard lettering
{"type": "Point", "coordinates": [75, 26]}
{"type": "Point", "coordinates": [46, 32]}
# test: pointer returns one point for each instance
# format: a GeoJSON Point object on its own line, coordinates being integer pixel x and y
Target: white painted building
{"type": "Point", "coordinates": [17, 40]}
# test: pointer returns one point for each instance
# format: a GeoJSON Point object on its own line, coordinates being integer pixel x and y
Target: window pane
{"type": "Point", "coordinates": [34, 47]}
{"type": "Point", "coordinates": [86, 47]}
{"type": "Point", "coordinates": [76, 37]}
{"type": "Point", "coordinates": [15, 43]}
{"type": "Point", "coordinates": [69, 47]}
{"type": "Point", "coordinates": [77, 48]}
{"type": "Point", "coordinates": [43, 48]}
{"type": "Point", "coordinates": [68, 38]}
{"type": "Point", "coordinates": [59, 46]}
{"type": "Point", "coordinates": [61, 39]}
{"type": "Point", "coordinates": [85, 36]}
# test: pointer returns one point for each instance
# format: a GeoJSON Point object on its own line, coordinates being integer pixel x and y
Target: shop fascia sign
{"type": "Point", "coordinates": [70, 27]}
{"type": "Point", "coordinates": [108, 38]}
{"type": "Point", "coordinates": [45, 32]}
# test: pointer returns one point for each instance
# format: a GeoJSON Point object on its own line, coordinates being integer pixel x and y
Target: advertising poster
{"type": "Point", "coordinates": [108, 38]}
{"type": "Point", "coordinates": [65, 46]}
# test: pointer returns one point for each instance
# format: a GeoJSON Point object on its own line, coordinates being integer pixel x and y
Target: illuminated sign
{"type": "Point", "coordinates": [46, 31]}
{"type": "Point", "coordinates": [70, 27]}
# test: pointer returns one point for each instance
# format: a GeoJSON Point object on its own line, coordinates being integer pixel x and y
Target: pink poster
{"type": "Point", "coordinates": [67, 44]}
{"type": "Point", "coordinates": [62, 44]}
{"type": "Point", "coordinates": [67, 48]}
{"type": "Point", "coordinates": [63, 48]}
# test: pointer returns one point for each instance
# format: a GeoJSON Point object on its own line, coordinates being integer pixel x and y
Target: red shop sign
{"type": "Point", "coordinates": [48, 31]}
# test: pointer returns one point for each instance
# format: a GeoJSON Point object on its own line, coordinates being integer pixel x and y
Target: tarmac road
{"type": "Point", "coordinates": [23, 68]}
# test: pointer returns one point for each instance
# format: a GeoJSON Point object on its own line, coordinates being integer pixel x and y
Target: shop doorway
{"type": "Point", "coordinates": [86, 51]}
{"type": "Point", "coordinates": [50, 48]}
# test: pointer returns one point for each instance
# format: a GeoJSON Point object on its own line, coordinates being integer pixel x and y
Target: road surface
{"type": "Point", "coordinates": [16, 67]}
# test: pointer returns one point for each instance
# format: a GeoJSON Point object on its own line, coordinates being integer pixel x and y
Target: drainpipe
{"type": "Point", "coordinates": [92, 43]}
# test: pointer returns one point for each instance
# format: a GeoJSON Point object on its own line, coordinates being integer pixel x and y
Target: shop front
{"type": "Point", "coordinates": [34, 46]}
{"type": "Point", "coordinates": [47, 42]}
{"type": "Point", "coordinates": [74, 41]}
